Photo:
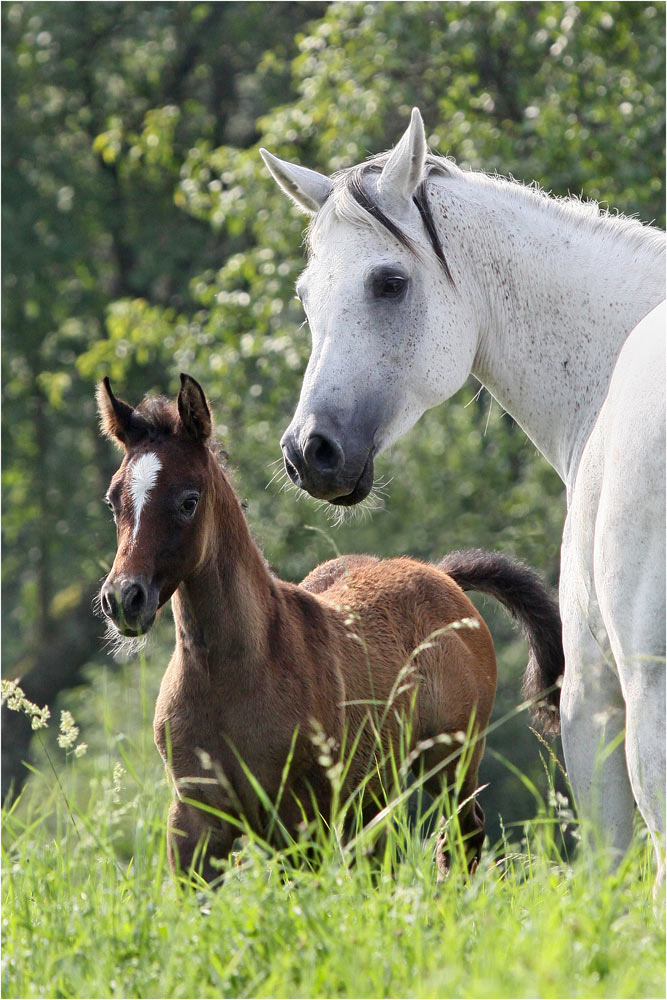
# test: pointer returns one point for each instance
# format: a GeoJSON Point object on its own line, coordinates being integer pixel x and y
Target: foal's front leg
{"type": "Point", "coordinates": [194, 837]}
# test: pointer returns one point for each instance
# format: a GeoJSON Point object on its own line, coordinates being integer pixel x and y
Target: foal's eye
{"type": "Point", "coordinates": [110, 506]}
{"type": "Point", "coordinates": [189, 506]}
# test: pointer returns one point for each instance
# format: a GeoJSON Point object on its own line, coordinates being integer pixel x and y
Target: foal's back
{"type": "Point", "coordinates": [409, 624]}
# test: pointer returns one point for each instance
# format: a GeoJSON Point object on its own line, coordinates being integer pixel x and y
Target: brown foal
{"type": "Point", "coordinates": [376, 656]}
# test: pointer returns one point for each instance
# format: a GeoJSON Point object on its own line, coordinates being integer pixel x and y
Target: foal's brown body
{"type": "Point", "coordinates": [360, 647]}
{"type": "Point", "coordinates": [329, 660]}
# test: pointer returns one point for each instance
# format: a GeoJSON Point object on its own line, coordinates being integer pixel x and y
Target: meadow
{"type": "Point", "coordinates": [90, 908]}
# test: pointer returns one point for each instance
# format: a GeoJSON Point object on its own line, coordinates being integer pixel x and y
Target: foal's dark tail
{"type": "Point", "coordinates": [526, 597]}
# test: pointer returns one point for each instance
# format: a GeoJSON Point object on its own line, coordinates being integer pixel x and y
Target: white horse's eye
{"type": "Point", "coordinates": [388, 284]}
{"type": "Point", "coordinates": [393, 287]}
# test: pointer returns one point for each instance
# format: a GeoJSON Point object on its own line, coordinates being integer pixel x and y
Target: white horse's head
{"type": "Point", "coordinates": [375, 292]}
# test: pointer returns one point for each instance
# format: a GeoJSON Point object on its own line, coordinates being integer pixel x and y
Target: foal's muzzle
{"type": "Point", "coordinates": [320, 467]}
{"type": "Point", "coordinates": [130, 604]}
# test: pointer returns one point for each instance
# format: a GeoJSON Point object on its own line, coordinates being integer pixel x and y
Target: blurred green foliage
{"type": "Point", "coordinates": [143, 237]}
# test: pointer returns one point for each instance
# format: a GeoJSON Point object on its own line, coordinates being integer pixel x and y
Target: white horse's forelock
{"type": "Point", "coordinates": [343, 206]}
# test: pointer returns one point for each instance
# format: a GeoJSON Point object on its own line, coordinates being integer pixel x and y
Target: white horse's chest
{"type": "Point", "coordinates": [616, 505]}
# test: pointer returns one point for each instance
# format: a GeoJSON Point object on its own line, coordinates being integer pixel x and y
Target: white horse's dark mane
{"type": "Point", "coordinates": [351, 200]}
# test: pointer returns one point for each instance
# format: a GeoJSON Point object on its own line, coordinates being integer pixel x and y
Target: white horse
{"type": "Point", "coordinates": [420, 273]}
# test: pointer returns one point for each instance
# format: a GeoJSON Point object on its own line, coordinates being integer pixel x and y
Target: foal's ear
{"type": "Point", "coordinates": [404, 170]}
{"type": "Point", "coordinates": [193, 410]}
{"type": "Point", "coordinates": [118, 420]}
{"type": "Point", "coordinates": [307, 189]}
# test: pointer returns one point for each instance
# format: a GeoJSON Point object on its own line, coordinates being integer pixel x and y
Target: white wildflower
{"type": "Point", "coordinates": [15, 699]}
{"type": "Point", "coordinates": [68, 730]}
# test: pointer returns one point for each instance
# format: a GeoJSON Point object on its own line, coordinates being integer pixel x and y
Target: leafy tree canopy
{"type": "Point", "coordinates": [143, 237]}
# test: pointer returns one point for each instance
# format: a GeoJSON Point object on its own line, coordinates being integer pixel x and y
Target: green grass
{"type": "Point", "coordinates": [90, 908]}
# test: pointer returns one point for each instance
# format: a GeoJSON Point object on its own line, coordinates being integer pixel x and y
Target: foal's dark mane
{"type": "Point", "coordinates": [158, 418]}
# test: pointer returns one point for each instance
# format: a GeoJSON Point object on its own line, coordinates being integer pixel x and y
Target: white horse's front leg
{"type": "Point", "coordinates": [592, 726]}
{"type": "Point", "coordinates": [643, 681]}
{"type": "Point", "coordinates": [629, 560]}
{"type": "Point", "coordinates": [631, 588]}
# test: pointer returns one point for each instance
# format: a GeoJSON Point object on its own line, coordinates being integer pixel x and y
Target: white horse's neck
{"type": "Point", "coordinates": [559, 290]}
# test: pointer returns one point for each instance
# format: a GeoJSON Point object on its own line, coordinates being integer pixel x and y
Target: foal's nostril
{"type": "Point", "coordinates": [134, 600]}
{"type": "Point", "coordinates": [109, 605]}
{"type": "Point", "coordinates": [323, 455]}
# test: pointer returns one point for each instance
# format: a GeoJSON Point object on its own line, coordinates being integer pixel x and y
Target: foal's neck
{"type": "Point", "coordinates": [562, 290]}
{"type": "Point", "coordinates": [221, 609]}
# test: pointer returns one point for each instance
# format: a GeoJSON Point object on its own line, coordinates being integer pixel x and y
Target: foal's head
{"type": "Point", "coordinates": [160, 498]}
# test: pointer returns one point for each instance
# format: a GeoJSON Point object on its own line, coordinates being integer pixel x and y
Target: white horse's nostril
{"type": "Point", "coordinates": [292, 459]}
{"type": "Point", "coordinates": [290, 469]}
{"type": "Point", "coordinates": [323, 454]}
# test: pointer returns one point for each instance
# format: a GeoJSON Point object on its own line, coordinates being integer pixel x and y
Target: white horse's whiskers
{"type": "Point", "coordinates": [336, 513]}
{"type": "Point", "coordinates": [374, 502]}
{"type": "Point", "coordinates": [279, 474]}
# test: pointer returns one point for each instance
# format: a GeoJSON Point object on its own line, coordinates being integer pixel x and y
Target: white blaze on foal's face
{"type": "Point", "coordinates": [143, 476]}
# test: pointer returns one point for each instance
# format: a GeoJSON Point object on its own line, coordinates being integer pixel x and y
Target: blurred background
{"type": "Point", "coordinates": [142, 237]}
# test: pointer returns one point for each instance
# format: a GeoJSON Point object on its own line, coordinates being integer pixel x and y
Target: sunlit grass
{"type": "Point", "coordinates": [90, 908]}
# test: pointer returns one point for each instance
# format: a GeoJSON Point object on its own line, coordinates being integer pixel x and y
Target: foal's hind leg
{"type": "Point", "coordinates": [471, 823]}
{"type": "Point", "coordinates": [469, 815]}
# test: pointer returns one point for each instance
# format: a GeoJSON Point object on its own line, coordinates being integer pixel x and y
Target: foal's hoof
{"type": "Point", "coordinates": [442, 860]}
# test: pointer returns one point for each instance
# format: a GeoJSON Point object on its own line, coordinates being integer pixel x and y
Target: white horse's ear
{"type": "Point", "coordinates": [308, 189]}
{"type": "Point", "coordinates": [404, 170]}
